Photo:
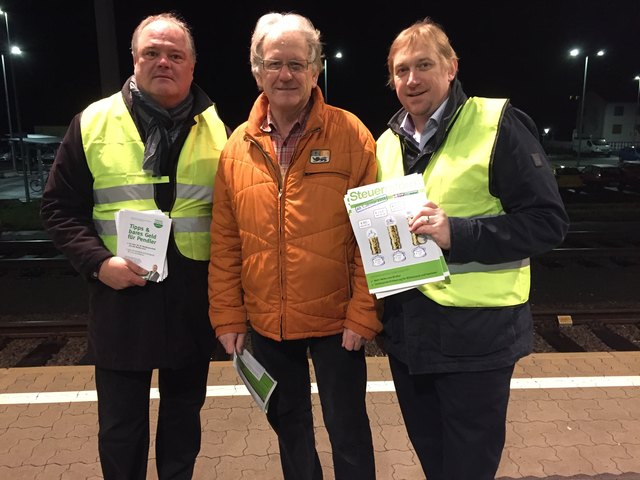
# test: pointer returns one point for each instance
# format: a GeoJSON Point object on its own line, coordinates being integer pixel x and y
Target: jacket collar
{"type": "Point", "coordinates": [201, 100]}
{"type": "Point", "coordinates": [456, 98]}
{"type": "Point", "coordinates": [260, 106]}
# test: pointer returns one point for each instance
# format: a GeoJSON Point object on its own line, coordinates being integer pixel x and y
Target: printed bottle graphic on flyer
{"type": "Point", "coordinates": [374, 246]}
{"type": "Point", "coordinates": [417, 239]}
{"type": "Point", "coordinates": [394, 237]}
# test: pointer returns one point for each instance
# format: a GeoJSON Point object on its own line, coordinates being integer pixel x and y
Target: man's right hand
{"type": "Point", "coordinates": [232, 342]}
{"type": "Point", "coordinates": [119, 273]}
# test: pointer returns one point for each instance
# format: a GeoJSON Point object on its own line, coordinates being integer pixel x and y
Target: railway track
{"type": "Point", "coordinates": [30, 252]}
{"type": "Point", "coordinates": [604, 256]}
{"type": "Point", "coordinates": [34, 251]}
{"type": "Point", "coordinates": [54, 341]}
{"type": "Point", "coordinates": [589, 330]}
{"type": "Point", "coordinates": [602, 239]}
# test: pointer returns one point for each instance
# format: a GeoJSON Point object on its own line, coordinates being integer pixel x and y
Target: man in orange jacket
{"type": "Point", "coordinates": [284, 256]}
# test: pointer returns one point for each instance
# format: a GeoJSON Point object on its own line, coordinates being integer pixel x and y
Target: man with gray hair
{"type": "Point", "coordinates": [283, 254]}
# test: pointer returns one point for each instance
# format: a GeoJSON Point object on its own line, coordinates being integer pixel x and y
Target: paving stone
{"type": "Point", "coordinates": [604, 458]}
{"type": "Point", "coordinates": [9, 415]}
{"type": "Point", "coordinates": [568, 459]}
{"type": "Point", "coordinates": [572, 433]}
{"type": "Point", "coordinates": [630, 463]}
{"type": "Point", "coordinates": [529, 459]}
{"type": "Point", "coordinates": [545, 410]}
{"type": "Point", "coordinates": [602, 431]}
{"type": "Point", "coordinates": [567, 434]}
{"type": "Point", "coordinates": [26, 472]}
{"type": "Point", "coordinates": [69, 425]}
{"type": "Point", "coordinates": [395, 437]}
{"type": "Point", "coordinates": [513, 437]}
{"type": "Point", "coordinates": [578, 409]}
{"type": "Point", "coordinates": [390, 464]}
{"type": "Point", "coordinates": [609, 409]}
{"type": "Point", "coordinates": [533, 433]}
{"type": "Point", "coordinates": [21, 453]}
{"type": "Point", "coordinates": [78, 471]}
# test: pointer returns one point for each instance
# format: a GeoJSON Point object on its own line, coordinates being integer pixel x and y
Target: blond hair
{"type": "Point", "coordinates": [423, 32]}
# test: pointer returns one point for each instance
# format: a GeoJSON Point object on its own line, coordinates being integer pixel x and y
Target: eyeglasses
{"type": "Point", "coordinates": [294, 66]}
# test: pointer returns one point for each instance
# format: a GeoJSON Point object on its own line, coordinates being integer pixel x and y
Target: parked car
{"type": "Point", "coordinates": [629, 153]}
{"type": "Point", "coordinates": [598, 176]}
{"type": "Point", "coordinates": [568, 178]}
{"type": "Point", "coordinates": [629, 175]}
{"type": "Point", "coordinates": [595, 146]}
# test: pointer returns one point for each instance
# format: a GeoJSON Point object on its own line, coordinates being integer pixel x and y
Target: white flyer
{"type": "Point", "coordinates": [143, 237]}
{"type": "Point", "coordinates": [257, 380]}
{"type": "Point", "coordinates": [394, 258]}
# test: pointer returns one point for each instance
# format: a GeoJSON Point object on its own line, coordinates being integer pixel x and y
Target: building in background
{"type": "Point", "coordinates": [618, 122]}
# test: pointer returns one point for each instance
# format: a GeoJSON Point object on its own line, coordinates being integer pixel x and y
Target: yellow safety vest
{"type": "Point", "coordinates": [115, 151]}
{"type": "Point", "coordinates": [457, 180]}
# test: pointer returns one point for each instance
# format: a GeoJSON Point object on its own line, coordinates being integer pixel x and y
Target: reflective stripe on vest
{"type": "Point", "coordinates": [183, 225]}
{"type": "Point", "coordinates": [114, 152]}
{"type": "Point", "coordinates": [457, 180]}
{"type": "Point", "coordinates": [142, 192]}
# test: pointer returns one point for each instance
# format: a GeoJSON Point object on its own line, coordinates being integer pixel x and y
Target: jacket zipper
{"type": "Point", "coordinates": [280, 182]}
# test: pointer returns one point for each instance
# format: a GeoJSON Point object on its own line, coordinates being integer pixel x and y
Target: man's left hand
{"type": "Point", "coordinates": [351, 340]}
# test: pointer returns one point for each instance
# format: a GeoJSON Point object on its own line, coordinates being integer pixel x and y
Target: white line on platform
{"type": "Point", "coordinates": [372, 387]}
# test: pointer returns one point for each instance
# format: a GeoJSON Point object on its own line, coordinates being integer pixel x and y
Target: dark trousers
{"type": "Point", "coordinates": [123, 416]}
{"type": "Point", "coordinates": [455, 421]}
{"type": "Point", "coordinates": [341, 377]}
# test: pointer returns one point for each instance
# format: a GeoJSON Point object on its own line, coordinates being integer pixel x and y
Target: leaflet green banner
{"type": "Point", "coordinates": [405, 274]}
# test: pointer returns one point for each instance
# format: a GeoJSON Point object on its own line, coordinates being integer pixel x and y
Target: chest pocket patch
{"type": "Point", "coordinates": [320, 156]}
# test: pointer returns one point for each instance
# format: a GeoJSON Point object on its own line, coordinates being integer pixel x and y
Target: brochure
{"type": "Point", "coordinates": [394, 259]}
{"type": "Point", "coordinates": [143, 238]}
{"type": "Point", "coordinates": [257, 380]}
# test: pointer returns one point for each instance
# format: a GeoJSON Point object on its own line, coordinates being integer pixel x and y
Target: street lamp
{"type": "Point", "coordinates": [635, 116]}
{"type": "Point", "coordinates": [6, 89]}
{"type": "Point", "coordinates": [6, 96]}
{"type": "Point", "coordinates": [326, 85]}
{"type": "Point", "coordinates": [574, 53]}
{"type": "Point", "coordinates": [13, 50]}
{"type": "Point", "coordinates": [545, 135]}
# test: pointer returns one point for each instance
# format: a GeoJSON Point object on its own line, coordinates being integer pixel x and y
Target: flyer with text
{"type": "Point", "coordinates": [143, 238]}
{"type": "Point", "coordinates": [394, 258]}
{"type": "Point", "coordinates": [257, 380]}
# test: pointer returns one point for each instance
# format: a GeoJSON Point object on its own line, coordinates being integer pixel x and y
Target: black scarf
{"type": "Point", "coordinates": [160, 126]}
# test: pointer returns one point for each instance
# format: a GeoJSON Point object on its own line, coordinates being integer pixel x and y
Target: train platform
{"type": "Point", "coordinates": [14, 187]}
{"type": "Point", "coordinates": [571, 416]}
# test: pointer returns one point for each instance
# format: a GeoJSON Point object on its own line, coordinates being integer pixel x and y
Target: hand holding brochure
{"type": "Point", "coordinates": [394, 258]}
{"type": "Point", "coordinates": [257, 380]}
{"type": "Point", "coordinates": [143, 238]}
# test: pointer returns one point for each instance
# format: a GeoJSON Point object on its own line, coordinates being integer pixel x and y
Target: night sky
{"type": "Point", "coordinates": [507, 49]}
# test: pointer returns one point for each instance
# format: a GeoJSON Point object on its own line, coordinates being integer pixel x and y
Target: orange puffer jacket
{"type": "Point", "coordinates": [283, 254]}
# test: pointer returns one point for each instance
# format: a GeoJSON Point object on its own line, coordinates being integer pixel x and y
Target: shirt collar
{"type": "Point", "coordinates": [430, 127]}
{"type": "Point", "coordinates": [268, 125]}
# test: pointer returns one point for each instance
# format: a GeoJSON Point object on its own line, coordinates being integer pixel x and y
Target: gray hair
{"type": "Point", "coordinates": [168, 17]}
{"type": "Point", "coordinates": [284, 22]}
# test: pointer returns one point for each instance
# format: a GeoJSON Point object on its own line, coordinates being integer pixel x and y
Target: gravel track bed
{"type": "Point", "coordinates": [12, 350]}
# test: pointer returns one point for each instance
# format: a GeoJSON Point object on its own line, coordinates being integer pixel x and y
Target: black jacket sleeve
{"type": "Point", "coordinates": [521, 177]}
{"type": "Point", "coordinates": [67, 204]}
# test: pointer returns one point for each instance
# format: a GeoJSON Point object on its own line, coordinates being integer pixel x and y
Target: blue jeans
{"type": "Point", "coordinates": [341, 377]}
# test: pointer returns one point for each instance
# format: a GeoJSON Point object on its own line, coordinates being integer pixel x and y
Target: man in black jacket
{"type": "Point", "coordinates": [154, 145]}
{"type": "Point", "coordinates": [493, 202]}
